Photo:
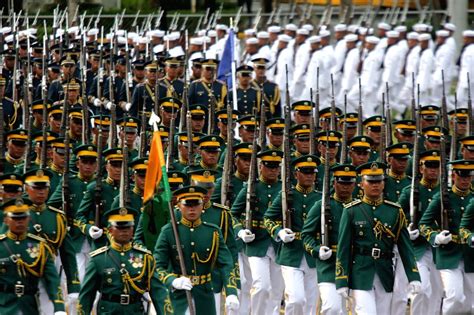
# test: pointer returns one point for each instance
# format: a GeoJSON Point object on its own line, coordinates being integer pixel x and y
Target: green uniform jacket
{"type": "Point", "coordinates": [136, 201]}
{"type": "Point", "coordinates": [312, 238]}
{"type": "Point", "coordinates": [54, 180]}
{"type": "Point", "coordinates": [320, 175]}
{"type": "Point", "coordinates": [394, 186]}
{"type": "Point", "coordinates": [39, 258]}
{"type": "Point", "coordinates": [465, 231]}
{"type": "Point", "coordinates": [367, 227]}
{"type": "Point", "coordinates": [449, 255]}
{"type": "Point", "coordinates": [290, 254]}
{"type": "Point", "coordinates": [236, 183]}
{"type": "Point", "coordinates": [204, 249]}
{"type": "Point", "coordinates": [264, 195]}
{"type": "Point", "coordinates": [77, 189]}
{"type": "Point", "coordinates": [219, 215]}
{"type": "Point", "coordinates": [10, 164]}
{"type": "Point", "coordinates": [86, 213]}
{"type": "Point", "coordinates": [420, 245]}
{"type": "Point", "coordinates": [50, 223]}
{"type": "Point", "coordinates": [104, 274]}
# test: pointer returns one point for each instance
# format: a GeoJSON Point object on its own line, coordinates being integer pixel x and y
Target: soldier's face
{"type": "Point", "coordinates": [86, 167]}
{"type": "Point", "coordinates": [76, 127]}
{"type": "Point", "coordinates": [16, 151]}
{"type": "Point", "coordinates": [210, 157]}
{"type": "Point", "coordinates": [429, 145]}
{"type": "Point", "coordinates": [18, 225]}
{"type": "Point", "coordinates": [191, 212]}
{"type": "Point", "coordinates": [302, 119]}
{"type": "Point", "coordinates": [430, 173]}
{"type": "Point", "coordinates": [428, 123]}
{"type": "Point", "coordinates": [344, 190]}
{"type": "Point", "coordinates": [172, 71]}
{"type": "Point", "coordinates": [208, 73]}
{"type": "Point", "coordinates": [72, 96]}
{"type": "Point", "coordinates": [114, 170]}
{"type": "Point", "coordinates": [462, 182]}
{"type": "Point", "coordinates": [332, 150]}
{"type": "Point", "coordinates": [373, 189]}
{"type": "Point", "coordinates": [55, 124]}
{"type": "Point", "coordinates": [275, 139]}
{"type": "Point", "coordinates": [397, 165]}
{"type": "Point", "coordinates": [302, 145]}
{"type": "Point", "coordinates": [121, 235]}
{"type": "Point", "coordinates": [139, 180]}
{"type": "Point", "coordinates": [151, 75]}
{"type": "Point", "coordinates": [359, 157]}
{"type": "Point", "coordinates": [405, 138]}
{"type": "Point", "coordinates": [375, 135]}
{"type": "Point", "coordinates": [246, 135]}
{"type": "Point", "coordinates": [305, 179]}
{"type": "Point", "coordinates": [243, 165]}
{"type": "Point", "coordinates": [37, 195]}
{"type": "Point", "coordinates": [197, 124]}
{"type": "Point", "coordinates": [467, 154]}
{"type": "Point", "coordinates": [269, 173]}
{"type": "Point", "coordinates": [260, 72]}
{"type": "Point", "coordinates": [58, 159]}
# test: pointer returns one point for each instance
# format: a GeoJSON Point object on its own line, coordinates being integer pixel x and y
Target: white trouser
{"type": "Point", "coordinates": [301, 290]}
{"type": "Point", "coordinates": [400, 286]}
{"type": "Point", "coordinates": [458, 290]}
{"type": "Point", "coordinates": [82, 259]}
{"type": "Point", "coordinates": [267, 284]}
{"type": "Point", "coordinates": [245, 284]}
{"type": "Point", "coordinates": [372, 302]}
{"type": "Point", "coordinates": [428, 300]}
{"type": "Point", "coordinates": [219, 300]}
{"type": "Point", "coordinates": [46, 305]}
{"type": "Point", "coordinates": [331, 302]}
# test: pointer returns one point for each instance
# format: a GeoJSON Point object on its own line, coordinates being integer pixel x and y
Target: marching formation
{"type": "Point", "coordinates": [285, 168]}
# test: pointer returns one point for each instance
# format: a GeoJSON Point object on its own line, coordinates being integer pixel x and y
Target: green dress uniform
{"type": "Point", "coordinates": [367, 234]}
{"type": "Point", "coordinates": [465, 231]}
{"type": "Point", "coordinates": [237, 181]}
{"type": "Point", "coordinates": [394, 185]}
{"type": "Point", "coordinates": [291, 254]}
{"type": "Point", "coordinates": [34, 260]}
{"type": "Point", "coordinates": [10, 164]}
{"type": "Point", "coordinates": [120, 272]}
{"type": "Point", "coordinates": [204, 249]}
{"type": "Point", "coordinates": [311, 236]}
{"type": "Point", "coordinates": [449, 255]}
{"type": "Point", "coordinates": [136, 201]}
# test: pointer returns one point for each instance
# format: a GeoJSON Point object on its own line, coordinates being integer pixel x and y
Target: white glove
{"type": "Point", "coordinates": [414, 233]}
{"type": "Point", "coordinates": [325, 253]}
{"type": "Point", "coordinates": [286, 235]}
{"type": "Point", "coordinates": [127, 106]}
{"type": "Point", "coordinates": [108, 105]}
{"type": "Point", "coordinates": [246, 235]}
{"type": "Point", "coordinates": [146, 296]}
{"type": "Point", "coordinates": [95, 232]}
{"type": "Point", "coordinates": [182, 283]}
{"type": "Point", "coordinates": [415, 287]}
{"type": "Point", "coordinates": [60, 313]}
{"type": "Point", "coordinates": [154, 121]}
{"type": "Point", "coordinates": [472, 241]}
{"type": "Point", "coordinates": [72, 297]}
{"type": "Point", "coordinates": [343, 292]}
{"type": "Point", "coordinates": [443, 238]}
{"type": "Point", "coordinates": [97, 102]}
{"type": "Point", "coordinates": [232, 302]}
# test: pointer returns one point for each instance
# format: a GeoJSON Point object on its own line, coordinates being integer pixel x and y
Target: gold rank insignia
{"type": "Point", "coordinates": [309, 159]}
{"type": "Point", "coordinates": [136, 261]}
{"type": "Point", "coordinates": [32, 250]}
{"type": "Point", "coordinates": [40, 173]}
{"type": "Point", "coordinates": [123, 211]}
{"type": "Point", "coordinates": [374, 166]}
{"type": "Point", "coordinates": [191, 190]}
{"type": "Point", "coordinates": [90, 148]}
{"type": "Point", "coordinates": [346, 169]}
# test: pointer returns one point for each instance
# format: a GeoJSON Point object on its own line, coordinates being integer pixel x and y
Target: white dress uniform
{"type": "Point", "coordinates": [285, 59]}
{"type": "Point", "coordinates": [340, 49]}
{"type": "Point", "coordinates": [297, 85]}
{"type": "Point", "coordinates": [411, 61]}
{"type": "Point", "coordinates": [325, 76]}
{"type": "Point", "coordinates": [315, 62]}
{"type": "Point", "coordinates": [444, 57]}
{"type": "Point", "coordinates": [349, 74]}
{"type": "Point", "coordinates": [466, 66]}
{"type": "Point", "coordinates": [370, 81]}
{"type": "Point", "coordinates": [390, 73]}
{"type": "Point", "coordinates": [265, 51]}
{"type": "Point", "coordinates": [424, 78]}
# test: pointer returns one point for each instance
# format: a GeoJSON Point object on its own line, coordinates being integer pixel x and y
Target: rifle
{"type": "Point", "coordinates": [2, 144]}
{"type": "Point", "coordinates": [292, 11]}
{"type": "Point", "coordinates": [113, 108]}
{"type": "Point", "coordinates": [135, 20]}
{"type": "Point", "coordinates": [285, 165]}
{"type": "Point", "coordinates": [169, 156]}
{"type": "Point", "coordinates": [413, 104]}
{"type": "Point", "coordinates": [98, 180]}
{"type": "Point", "coordinates": [444, 110]}
{"type": "Point", "coordinates": [316, 106]}
{"type": "Point", "coordinates": [183, 25]}
{"type": "Point", "coordinates": [383, 138]}
{"type": "Point", "coordinates": [250, 193]}
{"type": "Point", "coordinates": [64, 118]}
{"type": "Point", "coordinates": [312, 124]}
{"type": "Point", "coordinates": [415, 179]}
{"type": "Point", "coordinates": [443, 187]}
{"type": "Point", "coordinates": [270, 19]}
{"type": "Point", "coordinates": [189, 135]}
{"type": "Point", "coordinates": [226, 192]}
{"type": "Point", "coordinates": [158, 19]}
{"type": "Point", "coordinates": [277, 18]}
{"type": "Point", "coordinates": [326, 199]}
{"type": "Point", "coordinates": [469, 107]}
{"type": "Point", "coordinates": [124, 199]}
{"type": "Point", "coordinates": [406, 6]}
{"type": "Point", "coordinates": [206, 17]}
{"type": "Point", "coordinates": [143, 142]}
{"type": "Point", "coordinates": [257, 20]}
{"type": "Point", "coordinates": [65, 191]}
{"type": "Point", "coordinates": [98, 18]}
{"type": "Point", "coordinates": [35, 20]}
{"type": "Point", "coordinates": [198, 25]}
{"type": "Point", "coordinates": [344, 135]}
{"type": "Point", "coordinates": [184, 108]}
{"type": "Point", "coordinates": [333, 106]}
{"type": "Point", "coordinates": [453, 141]}
{"type": "Point", "coordinates": [212, 111]}
{"type": "Point", "coordinates": [388, 119]}
{"type": "Point", "coordinates": [85, 109]}
{"type": "Point", "coordinates": [157, 90]}
{"type": "Point", "coordinates": [360, 130]}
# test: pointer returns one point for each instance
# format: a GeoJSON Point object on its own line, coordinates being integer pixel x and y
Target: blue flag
{"type": "Point", "coordinates": [224, 73]}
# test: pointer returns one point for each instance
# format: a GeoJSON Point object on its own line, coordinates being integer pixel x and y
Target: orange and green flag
{"type": "Point", "coordinates": [156, 173]}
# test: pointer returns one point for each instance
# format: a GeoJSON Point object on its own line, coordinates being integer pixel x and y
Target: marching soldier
{"type": "Point", "coordinates": [198, 117]}
{"type": "Point", "coordinates": [360, 149]}
{"type": "Point", "coordinates": [86, 164]}
{"type": "Point", "coordinates": [55, 114]}
{"type": "Point", "coordinates": [451, 260]}
{"type": "Point", "coordinates": [88, 206]}
{"type": "Point", "coordinates": [349, 121]}
{"type": "Point", "coordinates": [397, 179]}
{"type": "Point", "coordinates": [301, 134]}
{"type": "Point", "coordinates": [25, 260]}
{"type": "Point", "coordinates": [100, 123]}
{"type": "Point", "coordinates": [368, 232]}
{"type": "Point", "coordinates": [325, 117]}
{"type": "Point", "coordinates": [121, 271]}
{"type": "Point", "coordinates": [247, 127]}
{"type": "Point", "coordinates": [209, 149]}
{"type": "Point", "coordinates": [329, 141]}
{"type": "Point", "coordinates": [274, 128]}
{"type": "Point", "coordinates": [302, 112]}
{"type": "Point", "coordinates": [467, 147]}
{"type": "Point", "coordinates": [170, 85]}
{"type": "Point", "coordinates": [429, 115]}
{"type": "Point", "coordinates": [271, 91]}
{"type": "Point", "coordinates": [12, 186]}
{"type": "Point", "coordinates": [38, 146]}
{"type": "Point", "coordinates": [169, 109]}
{"type": "Point", "coordinates": [183, 150]}
{"type": "Point", "coordinates": [297, 266]}
{"type": "Point", "coordinates": [50, 223]}
{"type": "Point", "coordinates": [429, 298]}
{"type": "Point", "coordinates": [68, 68]}
{"type": "Point", "coordinates": [144, 96]}
{"type": "Point", "coordinates": [203, 247]}
{"type": "Point", "coordinates": [16, 148]}
{"type": "Point", "coordinates": [373, 129]}
{"type": "Point", "coordinates": [222, 123]}
{"type": "Point", "coordinates": [207, 90]}
{"type": "Point", "coordinates": [405, 130]}
{"type": "Point", "coordinates": [57, 162]}
{"type": "Point", "coordinates": [259, 248]}
{"type": "Point", "coordinates": [344, 183]}
{"type": "Point", "coordinates": [130, 126]}
{"type": "Point", "coordinates": [248, 97]}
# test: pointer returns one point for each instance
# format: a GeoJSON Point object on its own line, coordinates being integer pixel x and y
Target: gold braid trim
{"type": "Point", "coordinates": [464, 234]}
{"type": "Point", "coordinates": [61, 229]}
{"type": "Point", "coordinates": [224, 225]}
{"type": "Point", "coordinates": [213, 252]}
{"type": "Point", "coordinates": [36, 268]}
{"type": "Point", "coordinates": [148, 267]}
{"type": "Point", "coordinates": [402, 223]}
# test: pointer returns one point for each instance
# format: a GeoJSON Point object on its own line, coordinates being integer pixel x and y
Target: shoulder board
{"type": "Point", "coordinates": [8, 99]}
{"type": "Point", "coordinates": [353, 203]}
{"type": "Point", "coordinates": [101, 250]}
{"type": "Point", "coordinates": [219, 205]}
{"type": "Point", "coordinates": [141, 249]}
{"type": "Point", "coordinates": [392, 203]}
{"type": "Point", "coordinates": [221, 82]}
{"type": "Point", "coordinates": [3, 236]}
{"type": "Point", "coordinates": [197, 80]}
{"type": "Point", "coordinates": [56, 210]}
{"type": "Point", "coordinates": [212, 225]}
{"type": "Point", "coordinates": [36, 237]}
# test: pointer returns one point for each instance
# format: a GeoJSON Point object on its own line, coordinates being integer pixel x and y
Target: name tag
{"type": "Point", "coordinates": [107, 270]}
{"type": "Point", "coordinates": [360, 222]}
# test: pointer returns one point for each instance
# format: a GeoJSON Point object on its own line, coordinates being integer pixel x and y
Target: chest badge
{"type": "Point", "coordinates": [136, 261]}
{"type": "Point", "coordinates": [32, 250]}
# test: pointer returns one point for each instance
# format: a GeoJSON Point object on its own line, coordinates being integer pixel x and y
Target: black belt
{"type": "Point", "coordinates": [123, 299]}
{"type": "Point", "coordinates": [18, 289]}
{"type": "Point", "coordinates": [375, 253]}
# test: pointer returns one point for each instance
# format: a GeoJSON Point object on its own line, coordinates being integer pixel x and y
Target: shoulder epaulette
{"type": "Point", "coordinates": [3, 236]}
{"type": "Point", "coordinates": [210, 225]}
{"type": "Point", "coordinates": [392, 203]}
{"type": "Point", "coordinates": [99, 251]}
{"type": "Point", "coordinates": [221, 82]}
{"type": "Point", "coordinates": [219, 205]}
{"type": "Point", "coordinates": [141, 248]}
{"type": "Point", "coordinates": [56, 210]}
{"type": "Point", "coordinates": [36, 237]}
{"type": "Point", "coordinates": [353, 203]}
